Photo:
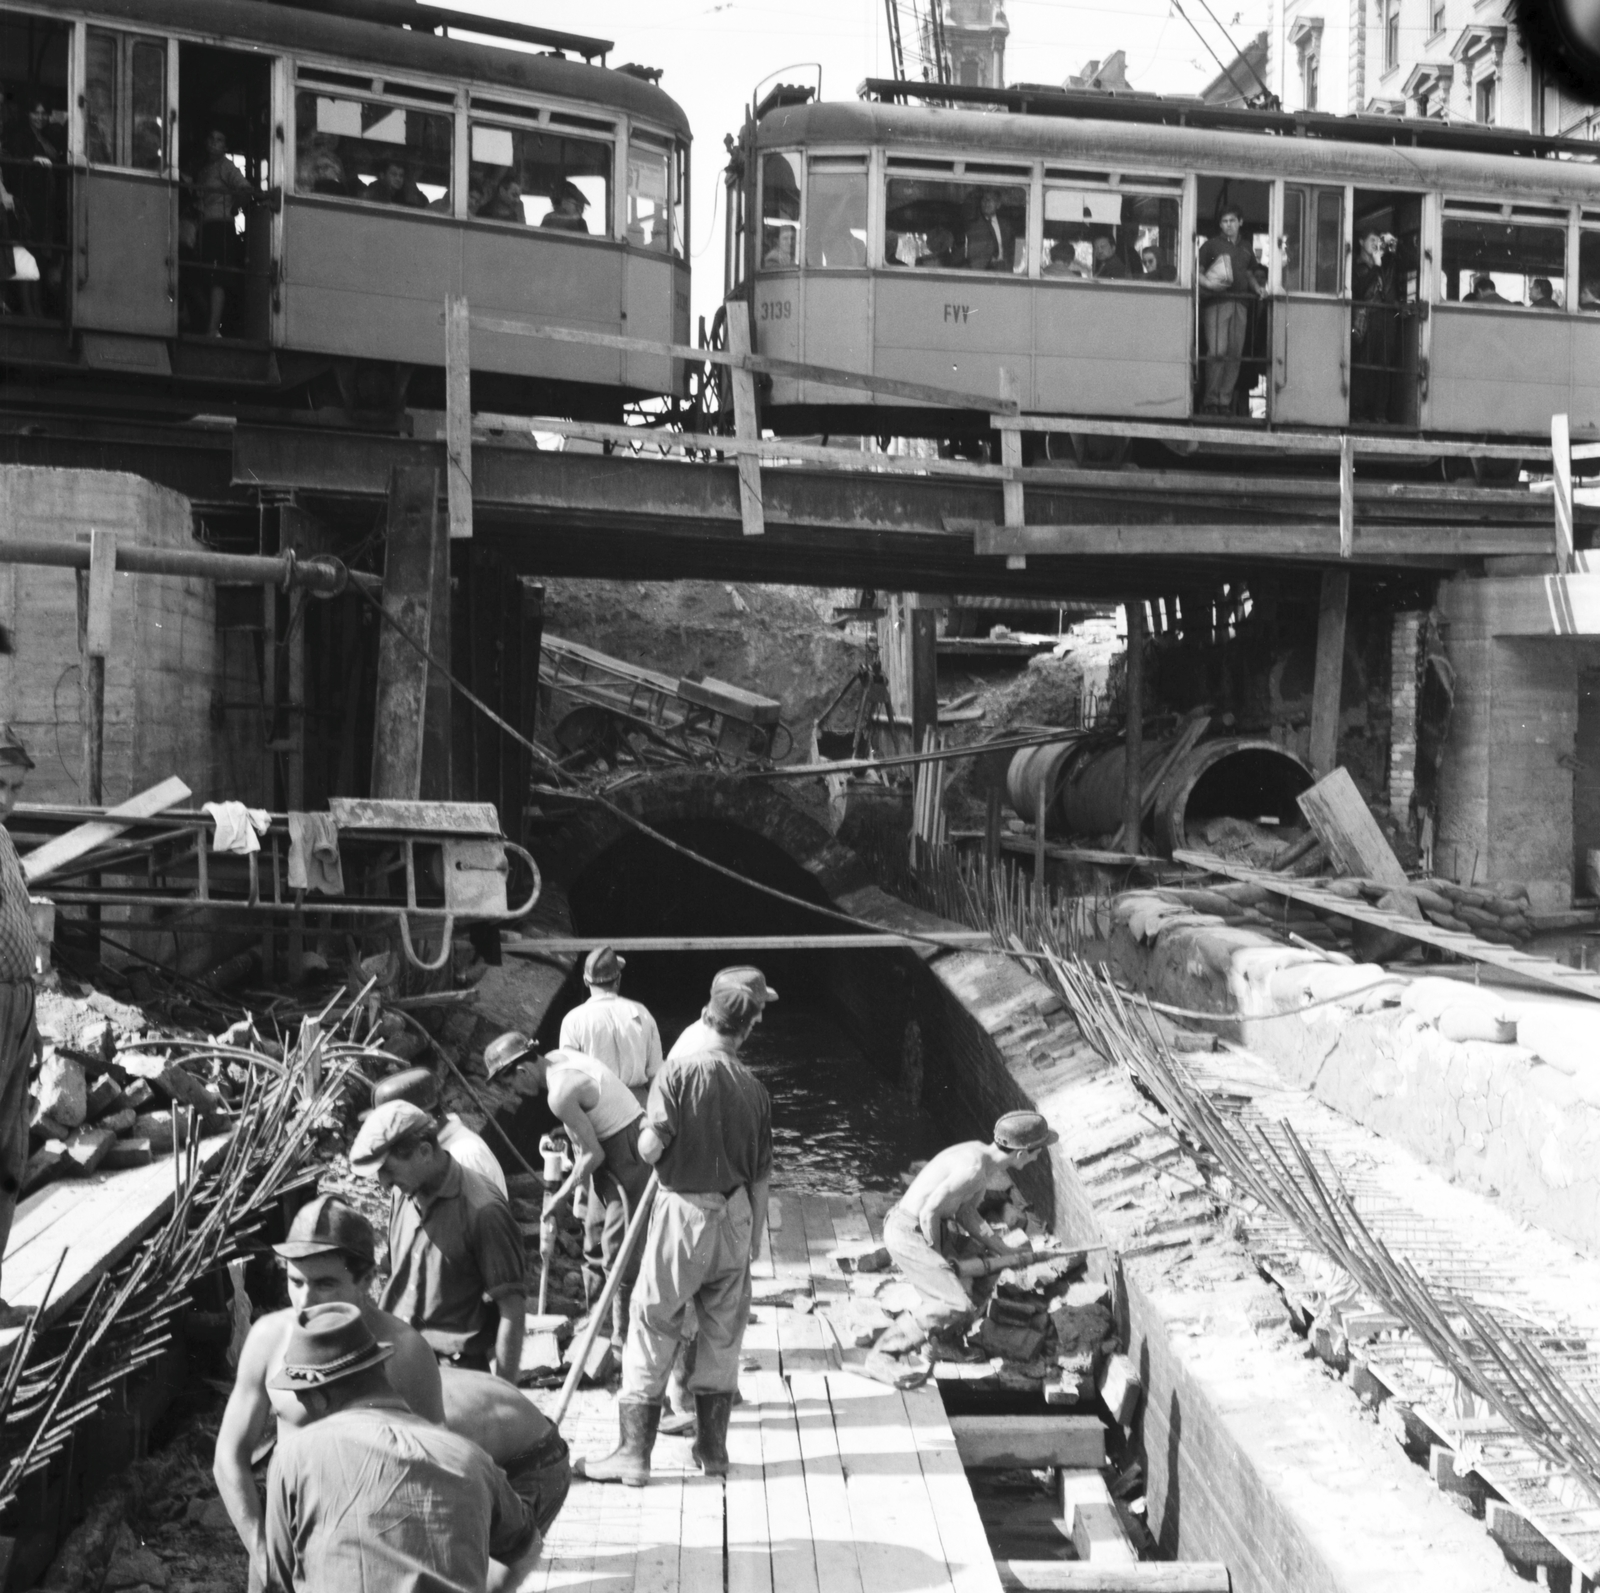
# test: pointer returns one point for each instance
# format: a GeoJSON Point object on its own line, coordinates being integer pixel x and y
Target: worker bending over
{"type": "Point", "coordinates": [947, 1193]}
{"type": "Point", "coordinates": [602, 1117]}
{"type": "Point", "coordinates": [455, 1250]}
{"type": "Point", "coordinates": [370, 1495]}
{"type": "Point", "coordinates": [708, 1132]}
{"type": "Point", "coordinates": [421, 1088]}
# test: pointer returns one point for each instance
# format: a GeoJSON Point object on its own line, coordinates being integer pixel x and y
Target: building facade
{"type": "Point", "coordinates": [975, 33]}
{"type": "Point", "coordinates": [1450, 60]}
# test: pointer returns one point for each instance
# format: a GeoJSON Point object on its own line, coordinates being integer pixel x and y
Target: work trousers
{"type": "Point", "coordinates": [1225, 321]}
{"type": "Point", "coordinates": [944, 1302]}
{"type": "Point", "coordinates": [619, 1186]}
{"type": "Point", "coordinates": [18, 1041]}
{"type": "Point", "coordinates": [541, 1478]}
{"type": "Point", "coordinates": [697, 1253]}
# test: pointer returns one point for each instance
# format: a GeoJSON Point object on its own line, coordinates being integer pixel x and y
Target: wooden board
{"type": "Point", "coordinates": [1328, 680]}
{"type": "Point", "coordinates": [1068, 1576]}
{"type": "Point", "coordinates": [1092, 1520]}
{"type": "Point", "coordinates": [793, 1553]}
{"type": "Point", "coordinates": [56, 854]}
{"type": "Point", "coordinates": [1345, 825]}
{"type": "Point", "coordinates": [745, 1492]}
{"type": "Point", "coordinates": [1029, 1442]}
{"type": "Point", "coordinates": [1542, 970]}
{"type": "Point", "coordinates": [961, 1533]}
{"type": "Point", "coordinates": [833, 1534]}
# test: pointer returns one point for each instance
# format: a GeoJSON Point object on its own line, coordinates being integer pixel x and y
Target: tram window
{"type": "Point", "coordinates": [1504, 261]}
{"type": "Point", "coordinates": [780, 210]}
{"type": "Point", "coordinates": [540, 179]}
{"type": "Point", "coordinates": [374, 150]}
{"type": "Point", "coordinates": [836, 213]}
{"type": "Point", "coordinates": [1313, 238]}
{"type": "Point", "coordinates": [1110, 235]}
{"type": "Point", "coordinates": [125, 100]}
{"type": "Point", "coordinates": [960, 225]}
{"type": "Point", "coordinates": [33, 152]}
{"type": "Point", "coordinates": [1589, 271]}
{"type": "Point", "coordinates": [651, 211]}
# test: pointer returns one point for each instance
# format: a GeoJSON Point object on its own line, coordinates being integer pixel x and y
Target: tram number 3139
{"type": "Point", "coordinates": [776, 310]}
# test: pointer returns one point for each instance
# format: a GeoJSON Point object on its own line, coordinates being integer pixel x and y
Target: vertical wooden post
{"type": "Point", "coordinates": [96, 647]}
{"type": "Point", "coordinates": [924, 675]}
{"type": "Point", "coordinates": [458, 414]}
{"type": "Point", "coordinates": [1133, 744]}
{"type": "Point", "coordinates": [408, 586]}
{"type": "Point", "coordinates": [1011, 458]}
{"type": "Point", "coordinates": [1325, 689]}
{"type": "Point", "coordinates": [269, 782]}
{"type": "Point", "coordinates": [1561, 463]}
{"type": "Point", "coordinates": [438, 747]}
{"type": "Point", "coordinates": [1347, 497]}
{"type": "Point", "coordinates": [745, 419]}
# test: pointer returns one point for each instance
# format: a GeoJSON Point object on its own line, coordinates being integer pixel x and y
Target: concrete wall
{"type": "Point", "coordinates": [1506, 781]}
{"type": "Point", "coordinates": [159, 677]}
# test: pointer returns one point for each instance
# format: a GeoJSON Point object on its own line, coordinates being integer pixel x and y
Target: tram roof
{"type": "Point", "coordinates": [320, 32]}
{"type": "Point", "coordinates": [938, 133]}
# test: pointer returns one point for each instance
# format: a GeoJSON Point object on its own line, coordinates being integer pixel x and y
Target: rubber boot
{"type": "Point", "coordinates": [711, 1425]}
{"type": "Point", "coordinates": [629, 1462]}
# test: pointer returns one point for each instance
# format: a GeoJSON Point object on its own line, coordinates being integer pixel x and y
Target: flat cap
{"type": "Point", "coordinates": [390, 1124]}
{"type": "Point", "coordinates": [325, 1224]}
{"type": "Point", "coordinates": [603, 966]}
{"type": "Point", "coordinates": [744, 977]}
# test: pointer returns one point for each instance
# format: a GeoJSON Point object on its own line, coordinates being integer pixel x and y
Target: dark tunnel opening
{"type": "Point", "coordinates": [841, 1121]}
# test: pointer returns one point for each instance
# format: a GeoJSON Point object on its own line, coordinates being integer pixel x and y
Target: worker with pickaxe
{"type": "Point", "coordinates": [602, 1118]}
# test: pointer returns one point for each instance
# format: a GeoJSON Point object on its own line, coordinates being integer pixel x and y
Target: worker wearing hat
{"type": "Point", "coordinates": [455, 1249]}
{"type": "Point", "coordinates": [19, 966]}
{"type": "Point", "coordinates": [421, 1087]}
{"type": "Point", "coordinates": [945, 1194]}
{"type": "Point", "coordinates": [329, 1258]}
{"type": "Point", "coordinates": [708, 1133]}
{"type": "Point", "coordinates": [611, 1028]}
{"type": "Point", "coordinates": [359, 1499]}
{"type": "Point", "coordinates": [699, 1036]}
{"type": "Point", "coordinates": [567, 205]}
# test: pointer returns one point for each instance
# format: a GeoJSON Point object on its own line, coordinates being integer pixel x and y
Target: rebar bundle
{"type": "Point", "coordinates": [59, 1377]}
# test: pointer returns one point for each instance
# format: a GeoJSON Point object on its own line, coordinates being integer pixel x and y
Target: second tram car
{"type": "Point", "coordinates": [215, 203]}
{"type": "Point", "coordinates": [1392, 275]}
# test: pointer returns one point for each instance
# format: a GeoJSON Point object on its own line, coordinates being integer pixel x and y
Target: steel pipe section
{"type": "Point", "coordinates": [320, 574]}
{"type": "Point", "coordinates": [1244, 777]}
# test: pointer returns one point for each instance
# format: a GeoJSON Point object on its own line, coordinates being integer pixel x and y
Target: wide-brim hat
{"type": "Point", "coordinates": [1020, 1131]}
{"type": "Point", "coordinates": [327, 1344]}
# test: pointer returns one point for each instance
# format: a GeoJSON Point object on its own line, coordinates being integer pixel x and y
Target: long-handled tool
{"type": "Point", "coordinates": [603, 1306]}
{"type": "Point", "coordinates": [553, 1147]}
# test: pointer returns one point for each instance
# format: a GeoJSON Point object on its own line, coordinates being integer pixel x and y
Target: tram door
{"type": "Point", "coordinates": [1311, 321]}
{"type": "Point", "coordinates": [1387, 369]}
{"type": "Point", "coordinates": [125, 256]}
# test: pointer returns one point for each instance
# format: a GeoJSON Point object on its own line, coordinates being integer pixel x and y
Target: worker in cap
{"type": "Point", "coordinates": [708, 1133]}
{"type": "Point", "coordinates": [612, 1029]}
{"type": "Point", "coordinates": [359, 1498]}
{"type": "Point", "coordinates": [19, 966]}
{"type": "Point", "coordinates": [698, 1035]}
{"type": "Point", "coordinates": [421, 1087]}
{"type": "Point", "coordinates": [329, 1258]}
{"type": "Point", "coordinates": [455, 1249]}
{"type": "Point", "coordinates": [946, 1195]}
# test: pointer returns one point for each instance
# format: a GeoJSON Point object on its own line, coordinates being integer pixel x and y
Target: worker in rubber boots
{"type": "Point", "coordinates": [708, 1132]}
{"type": "Point", "coordinates": [945, 1194]}
{"type": "Point", "coordinates": [19, 966]}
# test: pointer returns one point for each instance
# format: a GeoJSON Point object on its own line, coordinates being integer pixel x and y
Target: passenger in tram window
{"type": "Point", "coordinates": [780, 251]}
{"type": "Point", "coordinates": [44, 139]}
{"type": "Point", "coordinates": [568, 206]}
{"type": "Point", "coordinates": [320, 169]}
{"type": "Point", "coordinates": [39, 222]}
{"type": "Point", "coordinates": [1541, 295]}
{"type": "Point", "coordinates": [1484, 291]}
{"type": "Point", "coordinates": [504, 201]}
{"type": "Point", "coordinates": [218, 188]}
{"type": "Point", "coordinates": [1155, 269]}
{"type": "Point", "coordinates": [1374, 326]}
{"type": "Point", "coordinates": [941, 248]}
{"type": "Point", "coordinates": [1589, 294]}
{"type": "Point", "coordinates": [1108, 264]}
{"type": "Point", "coordinates": [1227, 287]}
{"type": "Point", "coordinates": [991, 242]}
{"type": "Point", "coordinates": [393, 186]}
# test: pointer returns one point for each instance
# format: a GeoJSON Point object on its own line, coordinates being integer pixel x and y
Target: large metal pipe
{"type": "Point", "coordinates": [319, 574]}
{"type": "Point", "coordinates": [1240, 776]}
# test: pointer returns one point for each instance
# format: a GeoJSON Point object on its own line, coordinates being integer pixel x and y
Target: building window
{"type": "Point", "coordinates": [1308, 79]}
{"type": "Point", "coordinates": [1483, 101]}
{"type": "Point", "coordinates": [1391, 35]}
{"type": "Point", "coordinates": [1436, 21]}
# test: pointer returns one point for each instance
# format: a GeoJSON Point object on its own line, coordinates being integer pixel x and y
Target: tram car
{"type": "Point", "coordinates": [215, 204]}
{"type": "Point", "coordinates": [1165, 261]}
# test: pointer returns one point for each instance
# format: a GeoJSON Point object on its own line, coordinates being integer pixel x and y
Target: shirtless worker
{"type": "Point", "coordinates": [329, 1259]}
{"type": "Point", "coordinates": [948, 1191]}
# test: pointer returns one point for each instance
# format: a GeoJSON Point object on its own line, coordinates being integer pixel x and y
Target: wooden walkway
{"type": "Point", "coordinates": [837, 1484]}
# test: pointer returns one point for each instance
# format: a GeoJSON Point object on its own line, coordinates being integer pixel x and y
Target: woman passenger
{"type": "Point", "coordinates": [567, 207]}
{"type": "Point", "coordinates": [219, 189]}
{"type": "Point", "coordinates": [1154, 270]}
